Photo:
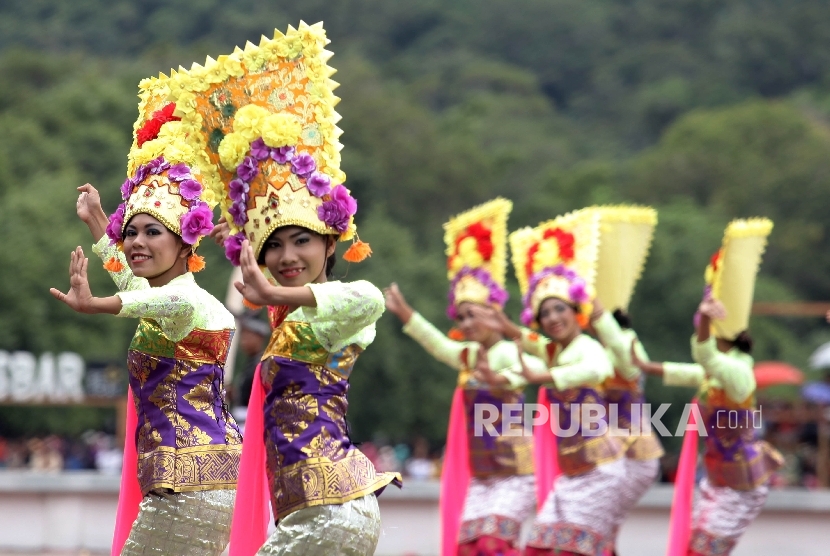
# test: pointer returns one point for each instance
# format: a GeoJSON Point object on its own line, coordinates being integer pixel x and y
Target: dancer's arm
{"type": "Point", "coordinates": [583, 363]}
{"type": "Point", "coordinates": [615, 338]}
{"type": "Point", "coordinates": [674, 374]}
{"type": "Point", "coordinates": [79, 297]}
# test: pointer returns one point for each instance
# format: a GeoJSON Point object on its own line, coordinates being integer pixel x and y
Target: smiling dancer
{"type": "Point", "coordinates": [187, 444]}
{"type": "Point", "coordinates": [487, 482]}
{"type": "Point", "coordinates": [625, 238]}
{"type": "Point", "coordinates": [267, 116]}
{"type": "Point", "coordinates": [555, 264]}
{"type": "Point", "coordinates": [738, 463]}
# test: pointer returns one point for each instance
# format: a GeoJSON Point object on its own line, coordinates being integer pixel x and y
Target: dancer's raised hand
{"type": "Point", "coordinates": [396, 303]}
{"type": "Point", "coordinates": [79, 297]}
{"type": "Point", "coordinates": [254, 287]}
{"type": "Point", "coordinates": [220, 231]}
{"type": "Point", "coordinates": [89, 210]}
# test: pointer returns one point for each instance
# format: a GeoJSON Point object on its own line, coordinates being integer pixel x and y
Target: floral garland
{"type": "Point", "coordinates": [196, 222]}
{"type": "Point", "coordinates": [562, 249]}
{"type": "Point", "coordinates": [498, 295]}
{"type": "Point", "coordinates": [577, 289]}
{"type": "Point", "coordinates": [473, 248]}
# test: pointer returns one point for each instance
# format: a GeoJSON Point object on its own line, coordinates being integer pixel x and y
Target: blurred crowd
{"type": "Point", "coordinates": [93, 450]}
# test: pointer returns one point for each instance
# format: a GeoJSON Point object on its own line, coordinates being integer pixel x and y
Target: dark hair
{"type": "Point", "coordinates": [743, 342]}
{"type": "Point", "coordinates": [330, 262]}
{"type": "Point", "coordinates": [622, 318]}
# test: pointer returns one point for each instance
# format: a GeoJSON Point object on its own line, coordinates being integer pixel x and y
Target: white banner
{"type": "Point", "coordinates": [25, 378]}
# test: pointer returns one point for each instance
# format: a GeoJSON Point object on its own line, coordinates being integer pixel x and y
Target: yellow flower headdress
{"type": "Point", "coordinates": [265, 117]}
{"type": "Point", "coordinates": [557, 259]}
{"type": "Point", "coordinates": [730, 275]}
{"type": "Point", "coordinates": [167, 173]}
{"type": "Point", "coordinates": [477, 254]}
{"type": "Point", "coordinates": [625, 238]}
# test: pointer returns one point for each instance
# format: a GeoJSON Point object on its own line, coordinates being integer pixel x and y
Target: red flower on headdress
{"type": "Point", "coordinates": [564, 240]}
{"type": "Point", "coordinates": [483, 236]}
{"type": "Point", "coordinates": [150, 129]}
{"type": "Point", "coordinates": [713, 262]}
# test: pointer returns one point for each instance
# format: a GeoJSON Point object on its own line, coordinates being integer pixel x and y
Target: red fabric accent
{"type": "Point", "coordinates": [680, 523]}
{"type": "Point", "coordinates": [533, 551]}
{"type": "Point", "coordinates": [455, 476]}
{"type": "Point", "coordinates": [249, 528]}
{"type": "Point", "coordinates": [545, 453]}
{"type": "Point", "coordinates": [129, 496]}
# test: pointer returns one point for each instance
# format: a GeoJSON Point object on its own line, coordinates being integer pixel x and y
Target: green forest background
{"type": "Point", "coordinates": [706, 109]}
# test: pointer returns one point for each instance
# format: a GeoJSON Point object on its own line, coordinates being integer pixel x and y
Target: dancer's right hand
{"type": "Point", "coordinates": [88, 205]}
{"type": "Point", "coordinates": [79, 297]}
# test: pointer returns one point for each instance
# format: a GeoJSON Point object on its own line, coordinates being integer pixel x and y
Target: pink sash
{"type": "Point", "coordinates": [455, 476]}
{"type": "Point", "coordinates": [680, 524]}
{"type": "Point", "coordinates": [249, 528]}
{"type": "Point", "coordinates": [129, 495]}
{"type": "Point", "coordinates": [544, 453]}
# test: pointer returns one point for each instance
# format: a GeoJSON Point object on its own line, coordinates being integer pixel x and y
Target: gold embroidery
{"type": "Point", "coordinates": [201, 397]}
{"type": "Point", "coordinates": [318, 481]}
{"type": "Point", "coordinates": [188, 469]}
{"type": "Point", "coordinates": [294, 411]}
{"type": "Point", "coordinates": [323, 445]}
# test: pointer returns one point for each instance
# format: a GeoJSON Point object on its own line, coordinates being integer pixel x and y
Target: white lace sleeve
{"type": "Point", "coordinates": [343, 311]}
{"type": "Point", "coordinates": [125, 280]}
{"type": "Point", "coordinates": [170, 307]}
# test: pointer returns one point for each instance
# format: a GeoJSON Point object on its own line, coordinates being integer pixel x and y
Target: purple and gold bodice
{"type": "Point", "coordinates": [735, 457]}
{"type": "Point", "coordinates": [310, 458]}
{"type": "Point", "coordinates": [503, 453]}
{"type": "Point", "coordinates": [578, 452]}
{"type": "Point", "coordinates": [623, 393]}
{"type": "Point", "coordinates": [186, 439]}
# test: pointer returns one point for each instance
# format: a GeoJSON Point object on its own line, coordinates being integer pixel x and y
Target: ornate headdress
{"type": "Point", "coordinates": [265, 117]}
{"type": "Point", "coordinates": [625, 238]}
{"type": "Point", "coordinates": [557, 259]}
{"type": "Point", "coordinates": [168, 172]}
{"type": "Point", "coordinates": [730, 275]}
{"type": "Point", "coordinates": [477, 254]}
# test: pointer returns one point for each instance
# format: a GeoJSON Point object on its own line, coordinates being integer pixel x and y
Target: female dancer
{"type": "Point", "coordinates": [267, 115]}
{"type": "Point", "coordinates": [738, 464]}
{"type": "Point", "coordinates": [498, 468]}
{"type": "Point", "coordinates": [626, 233]}
{"type": "Point", "coordinates": [555, 264]}
{"type": "Point", "coordinates": [187, 444]}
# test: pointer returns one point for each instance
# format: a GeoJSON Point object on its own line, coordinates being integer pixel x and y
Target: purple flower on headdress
{"type": "Point", "coordinates": [196, 222]}
{"type": "Point", "coordinates": [318, 184]}
{"type": "Point", "coordinates": [334, 215]}
{"type": "Point", "coordinates": [126, 189]}
{"type": "Point", "coordinates": [140, 174]}
{"type": "Point", "coordinates": [190, 190]}
{"type": "Point", "coordinates": [239, 212]}
{"type": "Point", "coordinates": [303, 165]}
{"type": "Point", "coordinates": [260, 150]}
{"type": "Point", "coordinates": [248, 169]}
{"type": "Point", "coordinates": [707, 293]}
{"type": "Point", "coordinates": [179, 172]}
{"type": "Point", "coordinates": [342, 196]}
{"type": "Point", "coordinates": [116, 221]}
{"type": "Point", "coordinates": [497, 296]}
{"type": "Point", "coordinates": [157, 165]}
{"type": "Point", "coordinates": [233, 247]}
{"type": "Point", "coordinates": [237, 189]}
{"type": "Point", "coordinates": [577, 288]}
{"type": "Point", "coordinates": [526, 316]}
{"type": "Point", "coordinates": [283, 155]}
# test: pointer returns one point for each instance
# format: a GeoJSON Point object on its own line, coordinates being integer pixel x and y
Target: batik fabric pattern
{"type": "Point", "coordinates": [579, 515]}
{"type": "Point", "coordinates": [186, 439]}
{"type": "Point", "coordinates": [306, 367]}
{"type": "Point", "coordinates": [500, 493]}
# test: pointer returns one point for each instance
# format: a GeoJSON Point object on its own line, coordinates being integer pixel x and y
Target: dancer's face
{"type": "Point", "coordinates": [154, 252]}
{"type": "Point", "coordinates": [557, 319]}
{"type": "Point", "coordinates": [472, 328]}
{"type": "Point", "coordinates": [296, 256]}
